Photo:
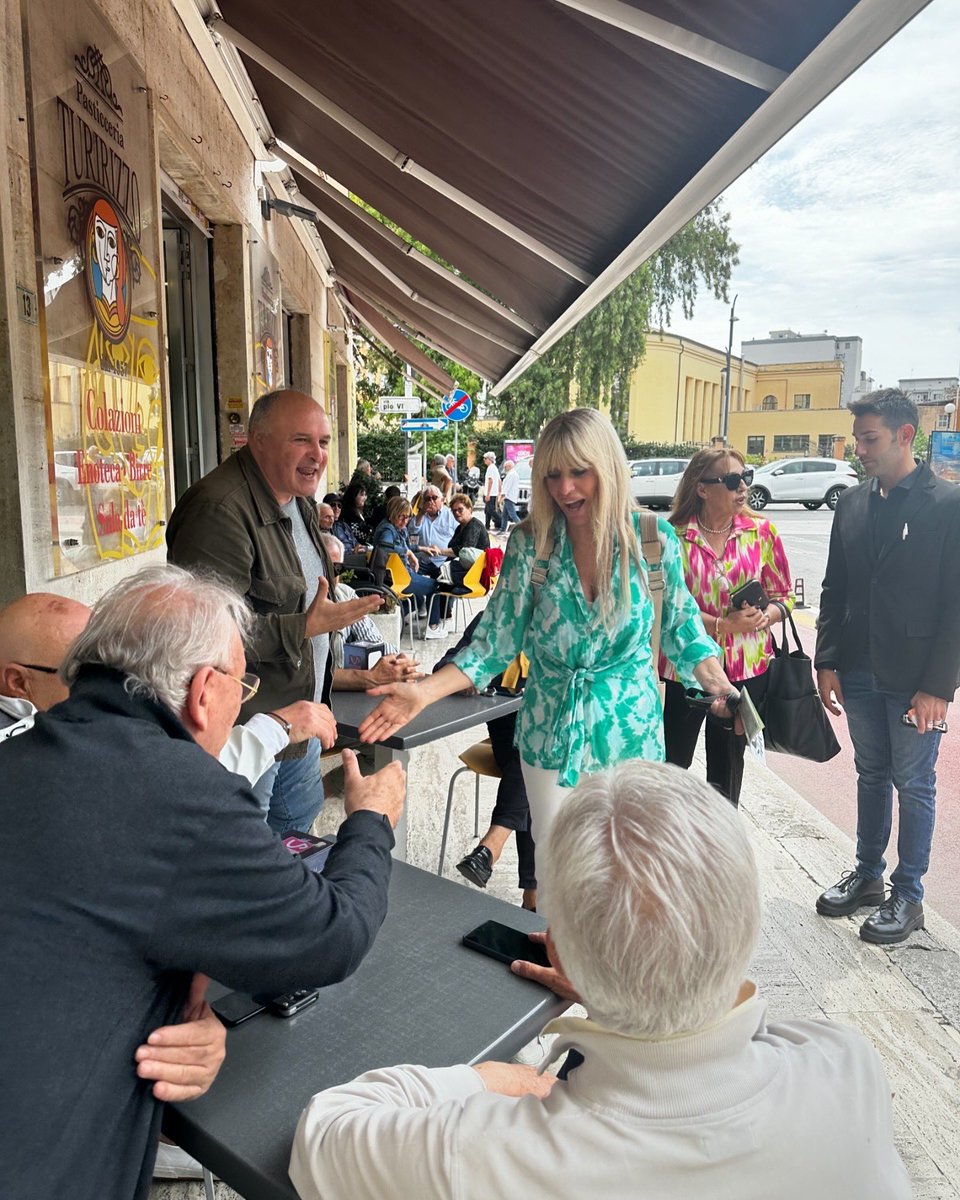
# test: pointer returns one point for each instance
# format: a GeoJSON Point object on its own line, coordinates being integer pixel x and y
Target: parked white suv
{"type": "Point", "coordinates": [811, 482]}
{"type": "Point", "coordinates": [523, 471]}
{"type": "Point", "coordinates": [654, 481]}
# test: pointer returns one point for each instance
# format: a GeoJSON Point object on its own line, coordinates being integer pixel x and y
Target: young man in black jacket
{"type": "Point", "coordinates": [888, 650]}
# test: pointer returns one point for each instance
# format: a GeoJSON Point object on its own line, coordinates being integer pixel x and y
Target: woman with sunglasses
{"type": "Point", "coordinates": [574, 596]}
{"type": "Point", "coordinates": [723, 547]}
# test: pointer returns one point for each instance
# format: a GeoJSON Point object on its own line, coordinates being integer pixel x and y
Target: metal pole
{"type": "Point", "coordinates": [725, 413]}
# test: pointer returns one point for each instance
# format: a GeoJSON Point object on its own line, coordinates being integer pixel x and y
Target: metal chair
{"type": "Point", "coordinates": [479, 759]}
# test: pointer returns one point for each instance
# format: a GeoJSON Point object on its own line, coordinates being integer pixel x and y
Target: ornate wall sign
{"type": "Point", "coordinates": [268, 367]}
{"type": "Point", "coordinates": [98, 242]}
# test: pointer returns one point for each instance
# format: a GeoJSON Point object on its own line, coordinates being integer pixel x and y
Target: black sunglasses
{"type": "Point", "coordinates": [732, 480]}
{"type": "Point", "coordinates": [37, 667]}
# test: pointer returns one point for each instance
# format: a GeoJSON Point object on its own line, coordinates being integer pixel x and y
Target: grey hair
{"type": "Point", "coordinates": [159, 627]}
{"type": "Point", "coordinates": [260, 413]}
{"type": "Point", "coordinates": [439, 460]}
{"type": "Point", "coordinates": [333, 545]}
{"type": "Point", "coordinates": [654, 898]}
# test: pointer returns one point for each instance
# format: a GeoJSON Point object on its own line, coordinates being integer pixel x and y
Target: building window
{"type": "Point", "coordinates": [791, 443]}
{"type": "Point", "coordinates": [755, 445]}
{"type": "Point", "coordinates": [825, 445]}
{"type": "Point", "coordinates": [769, 403]}
{"type": "Point", "coordinates": [801, 400]}
{"type": "Point", "coordinates": [943, 420]}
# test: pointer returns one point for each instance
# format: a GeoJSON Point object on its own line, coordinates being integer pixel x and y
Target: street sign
{"type": "Point", "coordinates": [403, 405]}
{"type": "Point", "coordinates": [424, 425]}
{"type": "Point", "coordinates": [457, 406]}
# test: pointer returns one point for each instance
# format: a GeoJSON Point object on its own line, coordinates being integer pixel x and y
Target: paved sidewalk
{"type": "Point", "coordinates": [906, 999]}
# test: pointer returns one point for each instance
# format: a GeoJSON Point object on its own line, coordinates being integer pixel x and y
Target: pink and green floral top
{"type": "Point", "coordinates": [753, 551]}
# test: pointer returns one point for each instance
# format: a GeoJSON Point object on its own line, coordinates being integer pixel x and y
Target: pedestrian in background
{"type": "Point", "coordinates": [491, 489]}
{"type": "Point", "coordinates": [888, 650]}
{"type": "Point", "coordinates": [724, 547]}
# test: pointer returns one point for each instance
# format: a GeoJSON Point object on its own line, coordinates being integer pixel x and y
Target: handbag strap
{"type": "Point", "coordinates": [786, 617]}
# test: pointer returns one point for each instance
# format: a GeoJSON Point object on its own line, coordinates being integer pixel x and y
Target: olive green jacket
{"type": "Point", "coordinates": [230, 523]}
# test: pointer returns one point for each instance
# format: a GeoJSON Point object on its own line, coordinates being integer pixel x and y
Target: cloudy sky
{"type": "Point", "coordinates": [851, 223]}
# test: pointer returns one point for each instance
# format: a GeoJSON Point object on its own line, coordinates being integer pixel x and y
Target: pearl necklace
{"type": "Point", "coordinates": [707, 529]}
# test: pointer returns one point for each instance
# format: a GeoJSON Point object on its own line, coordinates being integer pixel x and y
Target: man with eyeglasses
{"type": "Point", "coordinates": [131, 862]}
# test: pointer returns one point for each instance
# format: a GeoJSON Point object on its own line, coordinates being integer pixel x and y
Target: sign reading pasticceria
{"type": "Point", "coordinates": [98, 244]}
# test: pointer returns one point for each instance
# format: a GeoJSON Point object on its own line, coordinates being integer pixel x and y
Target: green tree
{"type": "Point", "coordinates": [596, 359]}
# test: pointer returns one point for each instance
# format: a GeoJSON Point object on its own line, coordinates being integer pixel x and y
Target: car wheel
{"type": "Point", "coordinates": [832, 497]}
{"type": "Point", "coordinates": [813, 505]}
{"type": "Point", "coordinates": [759, 498]}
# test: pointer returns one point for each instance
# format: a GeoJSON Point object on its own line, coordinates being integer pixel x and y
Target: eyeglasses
{"type": "Point", "coordinates": [249, 682]}
{"type": "Point", "coordinates": [732, 480]}
{"type": "Point", "coordinates": [37, 667]}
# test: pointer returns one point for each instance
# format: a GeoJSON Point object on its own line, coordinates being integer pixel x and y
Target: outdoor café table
{"type": "Point", "coordinates": [418, 997]}
{"type": "Point", "coordinates": [438, 720]}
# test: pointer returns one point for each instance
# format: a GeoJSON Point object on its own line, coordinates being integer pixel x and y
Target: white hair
{"type": "Point", "coordinates": [334, 546]}
{"type": "Point", "coordinates": [159, 627]}
{"type": "Point", "coordinates": [654, 898]}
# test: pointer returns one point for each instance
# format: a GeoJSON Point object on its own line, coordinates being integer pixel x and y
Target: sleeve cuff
{"type": "Point", "coordinates": [268, 732]}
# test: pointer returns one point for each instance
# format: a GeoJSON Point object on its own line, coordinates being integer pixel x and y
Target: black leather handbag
{"type": "Point", "coordinates": [794, 720]}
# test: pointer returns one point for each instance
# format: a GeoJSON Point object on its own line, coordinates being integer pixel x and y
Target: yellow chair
{"type": "Point", "coordinates": [479, 759]}
{"type": "Point", "coordinates": [400, 585]}
{"type": "Point", "coordinates": [470, 589]}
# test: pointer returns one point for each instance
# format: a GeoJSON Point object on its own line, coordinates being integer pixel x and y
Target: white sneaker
{"type": "Point", "coordinates": [436, 631]}
{"type": "Point", "coordinates": [174, 1163]}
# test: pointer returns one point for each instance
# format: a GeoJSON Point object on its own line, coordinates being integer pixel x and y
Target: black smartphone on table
{"type": "Point", "coordinates": [751, 594]}
{"type": "Point", "coordinates": [505, 944]}
{"type": "Point", "coordinates": [236, 1007]}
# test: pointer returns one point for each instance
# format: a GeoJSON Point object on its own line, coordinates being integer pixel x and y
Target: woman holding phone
{"type": "Point", "coordinates": [735, 567]}
{"type": "Point", "coordinates": [574, 596]}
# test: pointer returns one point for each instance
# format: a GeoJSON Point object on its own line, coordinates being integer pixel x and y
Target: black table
{"type": "Point", "coordinates": [438, 720]}
{"type": "Point", "coordinates": [418, 997]}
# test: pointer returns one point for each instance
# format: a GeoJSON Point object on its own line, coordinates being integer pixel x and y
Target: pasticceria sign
{"type": "Point", "coordinates": [99, 248]}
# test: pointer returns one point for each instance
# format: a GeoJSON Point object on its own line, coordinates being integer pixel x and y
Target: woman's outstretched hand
{"type": "Point", "coordinates": [400, 704]}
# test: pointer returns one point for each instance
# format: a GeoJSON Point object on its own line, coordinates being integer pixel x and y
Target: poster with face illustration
{"type": "Point", "coordinates": [98, 236]}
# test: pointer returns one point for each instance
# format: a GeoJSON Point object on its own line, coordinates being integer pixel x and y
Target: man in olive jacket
{"type": "Point", "coordinates": [888, 647]}
{"type": "Point", "coordinates": [253, 522]}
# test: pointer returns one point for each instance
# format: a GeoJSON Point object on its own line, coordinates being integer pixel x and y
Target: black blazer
{"type": "Point", "coordinates": [909, 593]}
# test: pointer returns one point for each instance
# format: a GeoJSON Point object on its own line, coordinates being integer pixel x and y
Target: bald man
{"type": "Point", "coordinates": [35, 632]}
{"type": "Point", "coordinates": [253, 520]}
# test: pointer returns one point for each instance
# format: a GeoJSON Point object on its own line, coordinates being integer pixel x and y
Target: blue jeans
{"type": "Point", "coordinates": [508, 513]}
{"type": "Point", "coordinates": [890, 754]}
{"type": "Point", "coordinates": [291, 792]}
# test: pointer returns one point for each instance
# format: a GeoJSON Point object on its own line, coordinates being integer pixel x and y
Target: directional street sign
{"type": "Point", "coordinates": [457, 406]}
{"type": "Point", "coordinates": [404, 405]}
{"type": "Point", "coordinates": [424, 425]}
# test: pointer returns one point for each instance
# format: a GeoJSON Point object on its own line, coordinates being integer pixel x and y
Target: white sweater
{"type": "Point", "coordinates": [739, 1111]}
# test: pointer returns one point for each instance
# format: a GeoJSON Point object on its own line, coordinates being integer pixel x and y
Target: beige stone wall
{"type": "Point", "coordinates": [210, 155]}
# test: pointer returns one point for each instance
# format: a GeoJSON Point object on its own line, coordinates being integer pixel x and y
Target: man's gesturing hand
{"type": "Point", "coordinates": [324, 615]}
{"type": "Point", "coordinates": [382, 792]}
{"type": "Point", "coordinates": [183, 1060]}
{"type": "Point", "coordinates": [831, 694]}
{"type": "Point", "coordinates": [310, 720]}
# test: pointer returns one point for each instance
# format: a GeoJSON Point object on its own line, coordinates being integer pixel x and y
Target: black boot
{"type": "Point", "coordinates": [852, 892]}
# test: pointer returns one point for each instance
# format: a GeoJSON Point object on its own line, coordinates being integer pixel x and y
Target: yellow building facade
{"type": "Point", "coordinates": [776, 410]}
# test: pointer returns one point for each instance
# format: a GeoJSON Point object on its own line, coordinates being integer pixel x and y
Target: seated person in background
{"type": "Point", "coordinates": [392, 666]}
{"type": "Point", "coordinates": [131, 861]}
{"type": "Point", "coordinates": [683, 1088]}
{"type": "Point", "coordinates": [352, 526]}
{"type": "Point", "coordinates": [390, 537]}
{"type": "Point", "coordinates": [440, 477]}
{"type": "Point", "coordinates": [326, 516]}
{"type": "Point", "coordinates": [435, 527]}
{"type": "Point", "coordinates": [377, 514]}
{"type": "Point", "coordinates": [469, 535]}
{"type": "Point", "coordinates": [511, 811]}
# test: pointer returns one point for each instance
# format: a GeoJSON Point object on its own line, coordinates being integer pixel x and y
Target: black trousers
{"type": "Point", "coordinates": [511, 810]}
{"type": "Point", "coordinates": [490, 514]}
{"type": "Point", "coordinates": [681, 730]}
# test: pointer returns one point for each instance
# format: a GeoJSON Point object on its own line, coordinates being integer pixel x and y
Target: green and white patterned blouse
{"type": "Point", "coordinates": [591, 699]}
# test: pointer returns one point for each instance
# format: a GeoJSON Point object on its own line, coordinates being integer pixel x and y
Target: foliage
{"type": "Point", "coordinates": [660, 449]}
{"type": "Point", "coordinates": [383, 446]}
{"type": "Point", "coordinates": [921, 445]}
{"type": "Point", "coordinates": [596, 359]}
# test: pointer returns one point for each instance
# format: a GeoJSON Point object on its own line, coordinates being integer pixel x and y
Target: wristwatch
{"type": "Point", "coordinates": [287, 727]}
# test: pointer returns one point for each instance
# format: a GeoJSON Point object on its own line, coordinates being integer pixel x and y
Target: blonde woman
{"type": "Point", "coordinates": [591, 699]}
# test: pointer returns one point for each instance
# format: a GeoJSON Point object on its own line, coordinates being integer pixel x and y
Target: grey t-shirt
{"type": "Point", "coordinates": [312, 566]}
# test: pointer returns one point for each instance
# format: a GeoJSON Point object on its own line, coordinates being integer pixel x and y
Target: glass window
{"type": "Point", "coordinates": [801, 400]}
{"type": "Point", "coordinates": [755, 445]}
{"type": "Point", "coordinates": [817, 466]}
{"type": "Point", "coordinates": [791, 443]}
{"type": "Point", "coordinates": [644, 468]}
{"type": "Point", "coordinates": [769, 403]}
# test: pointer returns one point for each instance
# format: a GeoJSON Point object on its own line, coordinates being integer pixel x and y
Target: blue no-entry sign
{"type": "Point", "coordinates": [457, 406]}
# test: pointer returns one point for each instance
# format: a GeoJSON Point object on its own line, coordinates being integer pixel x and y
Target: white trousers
{"type": "Point", "coordinates": [545, 796]}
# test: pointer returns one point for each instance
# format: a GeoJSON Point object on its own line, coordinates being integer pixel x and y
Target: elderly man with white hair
{"type": "Point", "coordinates": [130, 860]}
{"type": "Point", "coordinates": [684, 1089]}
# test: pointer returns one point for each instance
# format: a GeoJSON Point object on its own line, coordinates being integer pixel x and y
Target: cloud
{"type": "Point", "coordinates": [850, 223]}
